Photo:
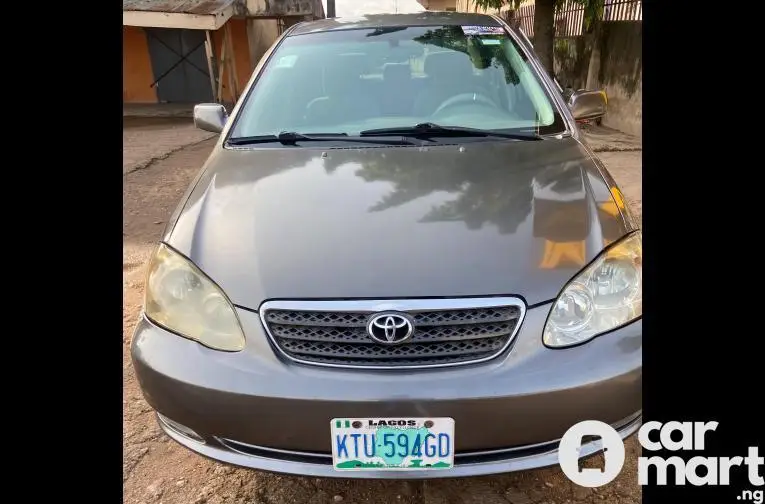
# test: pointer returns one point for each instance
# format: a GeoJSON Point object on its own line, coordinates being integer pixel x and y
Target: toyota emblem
{"type": "Point", "coordinates": [390, 328]}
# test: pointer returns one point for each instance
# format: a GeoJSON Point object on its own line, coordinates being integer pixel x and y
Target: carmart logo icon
{"type": "Point", "coordinates": [571, 446]}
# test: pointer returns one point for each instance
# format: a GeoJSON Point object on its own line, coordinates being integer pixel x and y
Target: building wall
{"type": "Point", "coordinates": [439, 5]}
{"type": "Point", "coordinates": [137, 75]}
{"type": "Point", "coordinates": [620, 71]}
{"type": "Point", "coordinates": [261, 33]}
{"type": "Point", "coordinates": [238, 28]}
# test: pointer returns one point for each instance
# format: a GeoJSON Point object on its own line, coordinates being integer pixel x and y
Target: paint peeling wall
{"type": "Point", "coordinates": [137, 74]}
{"type": "Point", "coordinates": [240, 8]}
{"type": "Point", "coordinates": [285, 8]}
{"type": "Point", "coordinates": [621, 71]}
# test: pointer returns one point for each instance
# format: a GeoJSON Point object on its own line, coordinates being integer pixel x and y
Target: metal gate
{"type": "Point", "coordinates": [179, 63]}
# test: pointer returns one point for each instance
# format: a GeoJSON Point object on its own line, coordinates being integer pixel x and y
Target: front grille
{"type": "Point", "coordinates": [447, 332]}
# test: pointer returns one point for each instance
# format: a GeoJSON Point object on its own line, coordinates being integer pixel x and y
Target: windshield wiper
{"type": "Point", "coordinates": [293, 137]}
{"type": "Point", "coordinates": [428, 130]}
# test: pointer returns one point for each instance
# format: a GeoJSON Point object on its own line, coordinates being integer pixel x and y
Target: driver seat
{"type": "Point", "coordinates": [346, 100]}
{"type": "Point", "coordinates": [449, 73]}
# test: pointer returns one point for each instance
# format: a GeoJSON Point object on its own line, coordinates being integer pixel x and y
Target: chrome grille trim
{"type": "Point", "coordinates": [326, 457]}
{"type": "Point", "coordinates": [624, 427]}
{"type": "Point", "coordinates": [339, 323]}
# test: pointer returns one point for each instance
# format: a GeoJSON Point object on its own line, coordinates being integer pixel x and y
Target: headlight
{"type": "Point", "coordinates": [604, 296]}
{"type": "Point", "coordinates": [184, 300]}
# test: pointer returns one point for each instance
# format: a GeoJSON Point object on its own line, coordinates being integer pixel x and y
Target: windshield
{"type": "Point", "coordinates": [354, 80]}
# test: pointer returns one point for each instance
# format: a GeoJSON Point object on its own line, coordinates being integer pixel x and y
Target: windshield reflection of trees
{"type": "Point", "coordinates": [481, 55]}
{"type": "Point", "coordinates": [384, 31]}
{"type": "Point", "coordinates": [496, 184]}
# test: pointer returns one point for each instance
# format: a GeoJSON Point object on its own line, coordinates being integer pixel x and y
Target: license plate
{"type": "Point", "coordinates": [374, 444]}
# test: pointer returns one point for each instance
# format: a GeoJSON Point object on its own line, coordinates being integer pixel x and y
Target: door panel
{"type": "Point", "coordinates": [181, 80]}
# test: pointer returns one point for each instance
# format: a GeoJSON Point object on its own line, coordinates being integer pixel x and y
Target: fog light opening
{"type": "Point", "coordinates": [180, 429]}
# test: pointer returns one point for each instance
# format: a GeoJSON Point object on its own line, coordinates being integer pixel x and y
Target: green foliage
{"type": "Point", "coordinates": [562, 46]}
{"type": "Point", "coordinates": [514, 4]}
{"type": "Point", "coordinates": [593, 9]}
{"type": "Point", "coordinates": [496, 4]}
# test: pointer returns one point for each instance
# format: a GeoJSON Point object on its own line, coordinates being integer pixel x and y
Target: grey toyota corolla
{"type": "Point", "coordinates": [399, 261]}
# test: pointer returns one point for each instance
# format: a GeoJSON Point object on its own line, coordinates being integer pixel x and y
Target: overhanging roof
{"type": "Point", "coordinates": [189, 14]}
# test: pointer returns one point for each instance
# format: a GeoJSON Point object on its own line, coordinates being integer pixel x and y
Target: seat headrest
{"type": "Point", "coordinates": [448, 63]}
{"type": "Point", "coordinates": [343, 72]}
{"type": "Point", "coordinates": [345, 65]}
{"type": "Point", "coordinates": [397, 71]}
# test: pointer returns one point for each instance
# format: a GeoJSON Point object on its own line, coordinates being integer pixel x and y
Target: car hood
{"type": "Point", "coordinates": [481, 218]}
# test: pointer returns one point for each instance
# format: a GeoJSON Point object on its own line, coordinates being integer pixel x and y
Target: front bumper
{"type": "Point", "coordinates": [312, 464]}
{"type": "Point", "coordinates": [252, 409]}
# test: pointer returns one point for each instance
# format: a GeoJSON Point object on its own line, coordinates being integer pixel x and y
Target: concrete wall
{"type": "Point", "coordinates": [620, 73]}
{"type": "Point", "coordinates": [439, 5]}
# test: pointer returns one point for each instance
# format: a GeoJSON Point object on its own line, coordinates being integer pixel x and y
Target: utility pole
{"type": "Point", "coordinates": [331, 8]}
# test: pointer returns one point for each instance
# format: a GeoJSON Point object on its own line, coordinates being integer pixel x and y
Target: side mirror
{"type": "Point", "coordinates": [587, 105]}
{"type": "Point", "coordinates": [210, 117]}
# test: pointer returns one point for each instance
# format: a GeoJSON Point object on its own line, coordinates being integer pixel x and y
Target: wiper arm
{"type": "Point", "coordinates": [428, 129]}
{"type": "Point", "coordinates": [292, 138]}
{"type": "Point", "coordinates": [285, 138]}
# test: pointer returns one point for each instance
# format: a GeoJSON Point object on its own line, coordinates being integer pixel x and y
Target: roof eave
{"type": "Point", "coordinates": [154, 19]}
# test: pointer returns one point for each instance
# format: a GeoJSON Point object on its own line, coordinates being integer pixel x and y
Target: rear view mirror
{"type": "Point", "coordinates": [587, 105]}
{"type": "Point", "coordinates": [210, 117]}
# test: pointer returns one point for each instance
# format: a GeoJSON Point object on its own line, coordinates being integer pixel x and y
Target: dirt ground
{"type": "Point", "coordinates": [161, 157]}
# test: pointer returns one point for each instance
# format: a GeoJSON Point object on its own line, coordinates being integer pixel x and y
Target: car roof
{"type": "Point", "coordinates": [426, 18]}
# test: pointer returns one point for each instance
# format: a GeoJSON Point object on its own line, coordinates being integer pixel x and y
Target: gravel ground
{"type": "Point", "coordinates": [161, 157]}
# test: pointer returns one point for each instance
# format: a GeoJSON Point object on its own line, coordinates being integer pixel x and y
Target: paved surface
{"type": "Point", "coordinates": [146, 140]}
{"type": "Point", "coordinates": [163, 156]}
{"type": "Point", "coordinates": [178, 110]}
{"type": "Point", "coordinates": [603, 139]}
{"type": "Point", "coordinates": [134, 110]}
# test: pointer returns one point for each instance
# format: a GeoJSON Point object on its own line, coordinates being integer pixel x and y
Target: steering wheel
{"type": "Point", "coordinates": [310, 109]}
{"type": "Point", "coordinates": [464, 99]}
